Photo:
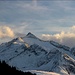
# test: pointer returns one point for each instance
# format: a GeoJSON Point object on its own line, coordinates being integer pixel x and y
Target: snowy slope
{"type": "Point", "coordinates": [31, 53]}
{"type": "Point", "coordinates": [42, 72]}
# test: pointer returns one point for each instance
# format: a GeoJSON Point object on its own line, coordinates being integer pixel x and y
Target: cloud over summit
{"type": "Point", "coordinates": [6, 31]}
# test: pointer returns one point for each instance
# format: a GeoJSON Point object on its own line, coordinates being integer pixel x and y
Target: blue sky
{"type": "Point", "coordinates": [38, 16]}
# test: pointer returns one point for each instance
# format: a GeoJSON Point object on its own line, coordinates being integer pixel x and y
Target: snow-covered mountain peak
{"type": "Point", "coordinates": [30, 35]}
{"type": "Point", "coordinates": [31, 53]}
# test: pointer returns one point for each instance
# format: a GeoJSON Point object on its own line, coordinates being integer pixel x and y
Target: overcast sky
{"type": "Point", "coordinates": [47, 19]}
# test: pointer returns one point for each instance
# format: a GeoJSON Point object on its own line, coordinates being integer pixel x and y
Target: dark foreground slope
{"type": "Point", "coordinates": [5, 69]}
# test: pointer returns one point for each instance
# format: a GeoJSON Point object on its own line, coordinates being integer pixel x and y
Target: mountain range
{"type": "Point", "coordinates": [31, 53]}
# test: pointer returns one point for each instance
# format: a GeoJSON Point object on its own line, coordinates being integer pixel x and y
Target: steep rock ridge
{"type": "Point", "coordinates": [60, 46]}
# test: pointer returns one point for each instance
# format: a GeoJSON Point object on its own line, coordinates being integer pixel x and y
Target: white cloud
{"type": "Point", "coordinates": [66, 38]}
{"type": "Point", "coordinates": [6, 31]}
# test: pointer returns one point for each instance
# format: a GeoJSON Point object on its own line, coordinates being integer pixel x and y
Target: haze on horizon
{"type": "Point", "coordinates": [47, 19]}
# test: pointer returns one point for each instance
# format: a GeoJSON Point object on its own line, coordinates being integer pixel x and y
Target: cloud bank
{"type": "Point", "coordinates": [6, 31]}
{"type": "Point", "coordinates": [66, 38]}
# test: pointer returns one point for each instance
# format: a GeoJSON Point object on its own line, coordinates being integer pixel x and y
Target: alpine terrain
{"type": "Point", "coordinates": [30, 53]}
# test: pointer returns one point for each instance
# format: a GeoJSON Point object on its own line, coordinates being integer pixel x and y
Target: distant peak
{"type": "Point", "coordinates": [30, 35]}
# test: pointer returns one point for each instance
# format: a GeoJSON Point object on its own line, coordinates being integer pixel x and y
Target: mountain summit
{"type": "Point", "coordinates": [30, 35]}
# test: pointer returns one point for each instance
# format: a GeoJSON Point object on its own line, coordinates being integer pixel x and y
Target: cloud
{"type": "Point", "coordinates": [11, 31]}
{"type": "Point", "coordinates": [65, 4]}
{"type": "Point", "coordinates": [34, 2]}
{"type": "Point", "coordinates": [6, 31]}
{"type": "Point", "coordinates": [31, 5]}
{"type": "Point", "coordinates": [20, 28]}
{"type": "Point", "coordinates": [66, 38]}
{"type": "Point", "coordinates": [73, 27]}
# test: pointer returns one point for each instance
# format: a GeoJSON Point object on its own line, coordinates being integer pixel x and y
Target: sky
{"type": "Point", "coordinates": [47, 19]}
